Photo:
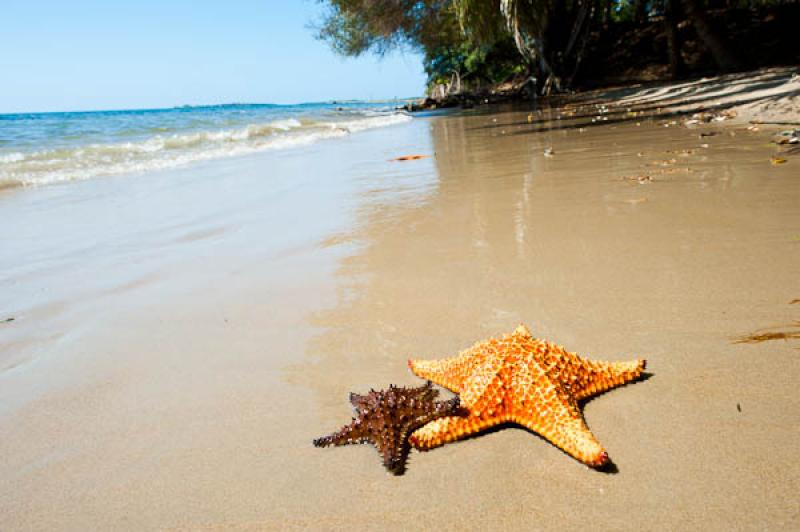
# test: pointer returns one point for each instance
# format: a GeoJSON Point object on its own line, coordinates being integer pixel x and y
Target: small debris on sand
{"type": "Point", "coordinates": [663, 162]}
{"type": "Point", "coordinates": [682, 153]}
{"type": "Point", "coordinates": [706, 117]}
{"type": "Point", "coordinates": [641, 179]}
{"type": "Point", "coordinates": [548, 152]}
{"type": "Point", "coordinates": [771, 333]}
{"type": "Point", "coordinates": [410, 157]}
{"type": "Point", "coordinates": [635, 201]}
{"type": "Point", "coordinates": [787, 137]}
{"type": "Point", "coordinates": [679, 170]}
{"type": "Point", "coordinates": [757, 338]}
{"type": "Point", "coordinates": [777, 160]}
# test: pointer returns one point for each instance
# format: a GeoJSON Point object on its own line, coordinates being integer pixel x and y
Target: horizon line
{"type": "Point", "coordinates": [332, 101]}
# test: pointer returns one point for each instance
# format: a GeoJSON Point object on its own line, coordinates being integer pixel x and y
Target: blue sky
{"type": "Point", "coordinates": [59, 55]}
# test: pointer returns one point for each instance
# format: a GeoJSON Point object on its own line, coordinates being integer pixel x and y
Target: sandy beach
{"type": "Point", "coordinates": [179, 339]}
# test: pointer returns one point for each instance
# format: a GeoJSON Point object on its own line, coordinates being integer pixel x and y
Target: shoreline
{"type": "Point", "coordinates": [759, 95]}
{"type": "Point", "coordinates": [190, 332]}
{"type": "Point", "coordinates": [99, 144]}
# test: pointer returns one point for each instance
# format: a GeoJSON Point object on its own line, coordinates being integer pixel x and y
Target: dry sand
{"type": "Point", "coordinates": [181, 338]}
{"type": "Point", "coordinates": [768, 95]}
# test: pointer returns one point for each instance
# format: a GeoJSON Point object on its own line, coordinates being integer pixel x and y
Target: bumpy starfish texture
{"type": "Point", "coordinates": [385, 418]}
{"type": "Point", "coordinates": [524, 380]}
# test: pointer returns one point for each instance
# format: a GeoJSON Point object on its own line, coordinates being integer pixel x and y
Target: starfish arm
{"type": "Point", "coordinates": [452, 373]}
{"type": "Point", "coordinates": [448, 429]}
{"type": "Point", "coordinates": [359, 402]}
{"type": "Point", "coordinates": [428, 393]}
{"type": "Point", "coordinates": [355, 432]}
{"type": "Point", "coordinates": [393, 448]}
{"type": "Point", "coordinates": [593, 378]}
{"type": "Point", "coordinates": [449, 407]}
{"type": "Point", "coordinates": [522, 331]}
{"type": "Point", "coordinates": [449, 372]}
{"type": "Point", "coordinates": [563, 426]}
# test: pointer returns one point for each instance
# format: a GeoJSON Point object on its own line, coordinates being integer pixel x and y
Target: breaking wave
{"type": "Point", "coordinates": [175, 146]}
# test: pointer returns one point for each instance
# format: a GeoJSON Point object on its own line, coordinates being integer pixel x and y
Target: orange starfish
{"type": "Point", "coordinates": [524, 380]}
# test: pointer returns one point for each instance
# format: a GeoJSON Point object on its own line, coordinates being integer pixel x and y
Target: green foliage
{"type": "Point", "coordinates": [485, 41]}
{"type": "Point", "coordinates": [354, 27]}
{"type": "Point", "coordinates": [476, 65]}
{"type": "Point", "coordinates": [485, 53]}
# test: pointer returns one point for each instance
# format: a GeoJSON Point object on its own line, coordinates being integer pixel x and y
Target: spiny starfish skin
{"type": "Point", "coordinates": [524, 380]}
{"type": "Point", "coordinates": [385, 418]}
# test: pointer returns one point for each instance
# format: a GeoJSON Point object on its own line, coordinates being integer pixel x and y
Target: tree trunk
{"type": "Point", "coordinates": [639, 11]}
{"type": "Point", "coordinates": [715, 42]}
{"type": "Point", "coordinates": [577, 27]}
{"type": "Point", "coordinates": [677, 67]}
{"type": "Point", "coordinates": [580, 35]}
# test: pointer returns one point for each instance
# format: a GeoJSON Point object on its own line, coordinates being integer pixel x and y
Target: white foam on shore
{"type": "Point", "coordinates": [158, 152]}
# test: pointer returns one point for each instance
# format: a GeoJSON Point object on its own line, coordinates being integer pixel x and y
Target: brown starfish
{"type": "Point", "coordinates": [524, 380]}
{"type": "Point", "coordinates": [385, 418]}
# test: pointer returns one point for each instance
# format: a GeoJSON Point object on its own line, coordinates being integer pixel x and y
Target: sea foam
{"type": "Point", "coordinates": [178, 141]}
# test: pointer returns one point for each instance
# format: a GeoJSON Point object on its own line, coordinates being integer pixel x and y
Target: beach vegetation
{"type": "Point", "coordinates": [556, 45]}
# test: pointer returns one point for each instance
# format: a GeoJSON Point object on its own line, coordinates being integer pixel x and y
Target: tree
{"type": "Point", "coordinates": [640, 11]}
{"type": "Point", "coordinates": [677, 67]}
{"type": "Point", "coordinates": [466, 43]}
{"type": "Point", "coordinates": [353, 27]}
{"type": "Point", "coordinates": [716, 43]}
{"type": "Point", "coordinates": [549, 34]}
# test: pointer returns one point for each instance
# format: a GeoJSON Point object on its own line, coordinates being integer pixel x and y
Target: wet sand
{"type": "Point", "coordinates": [180, 338]}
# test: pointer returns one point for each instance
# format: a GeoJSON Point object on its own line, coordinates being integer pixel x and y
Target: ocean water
{"type": "Point", "coordinates": [44, 148]}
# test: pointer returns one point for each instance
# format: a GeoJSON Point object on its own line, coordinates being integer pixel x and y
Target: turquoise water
{"type": "Point", "coordinates": [45, 148]}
